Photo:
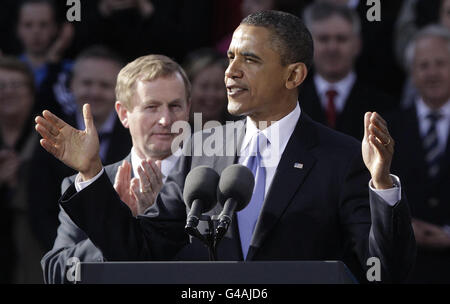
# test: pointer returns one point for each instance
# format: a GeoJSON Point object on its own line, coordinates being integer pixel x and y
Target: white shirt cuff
{"type": "Point", "coordinates": [392, 195]}
{"type": "Point", "coordinates": [80, 185]}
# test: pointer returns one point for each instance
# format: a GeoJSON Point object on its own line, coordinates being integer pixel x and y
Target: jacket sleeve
{"type": "Point", "coordinates": [70, 242]}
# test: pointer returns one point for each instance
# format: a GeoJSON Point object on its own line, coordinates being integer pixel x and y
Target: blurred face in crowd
{"type": "Point", "coordinates": [16, 98]}
{"type": "Point", "coordinates": [255, 78]}
{"type": "Point", "coordinates": [94, 82]}
{"type": "Point", "coordinates": [431, 70]}
{"type": "Point", "coordinates": [36, 27]}
{"type": "Point", "coordinates": [253, 6]}
{"type": "Point", "coordinates": [154, 107]}
{"type": "Point", "coordinates": [336, 47]}
{"type": "Point", "coordinates": [445, 13]}
{"type": "Point", "coordinates": [209, 95]}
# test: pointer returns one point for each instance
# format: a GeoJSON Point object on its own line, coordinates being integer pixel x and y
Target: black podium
{"type": "Point", "coordinates": [270, 272]}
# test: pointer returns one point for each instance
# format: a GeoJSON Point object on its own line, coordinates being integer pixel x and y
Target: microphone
{"type": "Point", "coordinates": [199, 195]}
{"type": "Point", "coordinates": [234, 192]}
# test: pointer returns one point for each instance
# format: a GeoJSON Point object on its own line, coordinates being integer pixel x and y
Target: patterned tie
{"type": "Point", "coordinates": [331, 108]}
{"type": "Point", "coordinates": [248, 217]}
{"type": "Point", "coordinates": [430, 144]}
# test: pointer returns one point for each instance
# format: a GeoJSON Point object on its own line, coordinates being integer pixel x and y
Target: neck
{"type": "Point", "coordinates": [264, 121]}
{"type": "Point", "coordinates": [334, 78]}
{"type": "Point", "coordinates": [153, 157]}
{"type": "Point", "coordinates": [435, 104]}
{"type": "Point", "coordinates": [36, 59]}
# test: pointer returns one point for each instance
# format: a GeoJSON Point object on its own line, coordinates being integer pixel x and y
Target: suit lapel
{"type": "Point", "coordinates": [287, 180]}
{"type": "Point", "coordinates": [111, 170]}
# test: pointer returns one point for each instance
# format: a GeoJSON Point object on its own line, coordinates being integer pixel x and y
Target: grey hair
{"type": "Point", "coordinates": [434, 30]}
{"type": "Point", "coordinates": [323, 10]}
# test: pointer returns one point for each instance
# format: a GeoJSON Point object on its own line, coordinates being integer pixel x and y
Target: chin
{"type": "Point", "coordinates": [235, 108]}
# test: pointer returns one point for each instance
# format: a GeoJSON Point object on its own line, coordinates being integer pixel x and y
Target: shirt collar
{"type": "Point", "coordinates": [342, 87]}
{"type": "Point", "coordinates": [423, 109]}
{"type": "Point", "coordinates": [277, 133]}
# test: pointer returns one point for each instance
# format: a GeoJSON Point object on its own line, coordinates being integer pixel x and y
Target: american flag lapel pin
{"type": "Point", "coordinates": [298, 165]}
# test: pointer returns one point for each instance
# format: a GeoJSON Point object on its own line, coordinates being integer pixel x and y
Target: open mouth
{"type": "Point", "coordinates": [235, 91]}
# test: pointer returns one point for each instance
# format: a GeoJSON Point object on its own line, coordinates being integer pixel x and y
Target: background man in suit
{"type": "Point", "coordinates": [93, 80]}
{"type": "Point", "coordinates": [312, 203]}
{"type": "Point", "coordinates": [152, 92]}
{"type": "Point", "coordinates": [424, 128]}
{"type": "Point", "coordinates": [335, 95]}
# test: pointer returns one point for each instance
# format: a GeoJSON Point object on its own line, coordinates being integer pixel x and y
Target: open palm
{"type": "Point", "coordinates": [76, 148]}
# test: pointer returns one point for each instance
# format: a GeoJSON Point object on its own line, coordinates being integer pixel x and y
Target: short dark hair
{"type": "Point", "coordinates": [99, 52]}
{"type": "Point", "coordinates": [200, 59]}
{"type": "Point", "coordinates": [290, 36]}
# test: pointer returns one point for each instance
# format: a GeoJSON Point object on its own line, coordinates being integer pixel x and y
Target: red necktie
{"type": "Point", "coordinates": [331, 109]}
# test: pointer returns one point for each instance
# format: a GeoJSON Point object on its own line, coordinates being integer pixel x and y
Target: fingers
{"type": "Point", "coordinates": [144, 180]}
{"type": "Point", "coordinates": [52, 118]}
{"type": "Point", "coordinates": [88, 119]}
{"type": "Point", "coordinates": [379, 122]}
{"type": "Point", "coordinates": [366, 124]}
{"type": "Point", "coordinates": [375, 125]}
{"type": "Point", "coordinates": [118, 180]}
{"type": "Point", "coordinates": [46, 128]}
{"type": "Point", "coordinates": [49, 146]}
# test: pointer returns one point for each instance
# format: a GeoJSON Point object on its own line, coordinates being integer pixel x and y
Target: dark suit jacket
{"type": "Point", "coordinates": [320, 212]}
{"type": "Point", "coordinates": [71, 241]}
{"type": "Point", "coordinates": [46, 176]}
{"type": "Point", "coordinates": [362, 98]}
{"type": "Point", "coordinates": [429, 199]}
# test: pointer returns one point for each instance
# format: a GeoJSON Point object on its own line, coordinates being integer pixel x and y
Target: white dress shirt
{"type": "Point", "coordinates": [442, 126]}
{"type": "Point", "coordinates": [343, 88]}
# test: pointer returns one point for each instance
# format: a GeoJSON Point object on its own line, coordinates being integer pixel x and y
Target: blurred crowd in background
{"type": "Point", "coordinates": [398, 66]}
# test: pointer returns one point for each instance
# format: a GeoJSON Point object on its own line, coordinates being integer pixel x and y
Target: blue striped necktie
{"type": "Point", "coordinates": [431, 145]}
{"type": "Point", "coordinates": [248, 217]}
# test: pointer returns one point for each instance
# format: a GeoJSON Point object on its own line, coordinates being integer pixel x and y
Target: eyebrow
{"type": "Point", "coordinates": [246, 54]}
{"type": "Point", "coordinates": [158, 102]}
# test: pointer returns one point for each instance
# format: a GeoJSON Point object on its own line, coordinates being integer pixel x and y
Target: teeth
{"type": "Point", "coordinates": [235, 90]}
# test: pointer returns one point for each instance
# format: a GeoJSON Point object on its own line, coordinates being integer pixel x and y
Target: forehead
{"type": "Point", "coordinates": [36, 11]}
{"type": "Point", "coordinates": [96, 67]}
{"type": "Point", "coordinates": [430, 47]}
{"type": "Point", "coordinates": [334, 24]}
{"type": "Point", "coordinates": [161, 89]}
{"type": "Point", "coordinates": [249, 38]}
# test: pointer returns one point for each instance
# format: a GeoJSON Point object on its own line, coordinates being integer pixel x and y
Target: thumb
{"type": "Point", "coordinates": [88, 119]}
{"type": "Point", "coordinates": [367, 124]}
{"type": "Point", "coordinates": [158, 163]}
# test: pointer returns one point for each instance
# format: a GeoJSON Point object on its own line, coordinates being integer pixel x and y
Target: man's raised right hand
{"type": "Point", "coordinates": [75, 148]}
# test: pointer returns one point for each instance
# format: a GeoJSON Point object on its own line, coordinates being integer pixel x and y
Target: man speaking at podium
{"type": "Point", "coordinates": [317, 202]}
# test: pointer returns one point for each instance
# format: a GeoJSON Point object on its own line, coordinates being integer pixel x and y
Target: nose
{"type": "Point", "coordinates": [233, 70]}
{"type": "Point", "coordinates": [166, 117]}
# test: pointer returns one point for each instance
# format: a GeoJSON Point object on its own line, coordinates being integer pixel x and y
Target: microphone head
{"type": "Point", "coordinates": [237, 182]}
{"type": "Point", "coordinates": [201, 183]}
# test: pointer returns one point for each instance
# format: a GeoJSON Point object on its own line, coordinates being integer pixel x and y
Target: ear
{"type": "Point", "coordinates": [296, 75]}
{"type": "Point", "coordinates": [122, 113]}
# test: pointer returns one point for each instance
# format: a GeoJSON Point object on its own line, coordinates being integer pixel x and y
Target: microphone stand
{"type": "Point", "coordinates": [209, 238]}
